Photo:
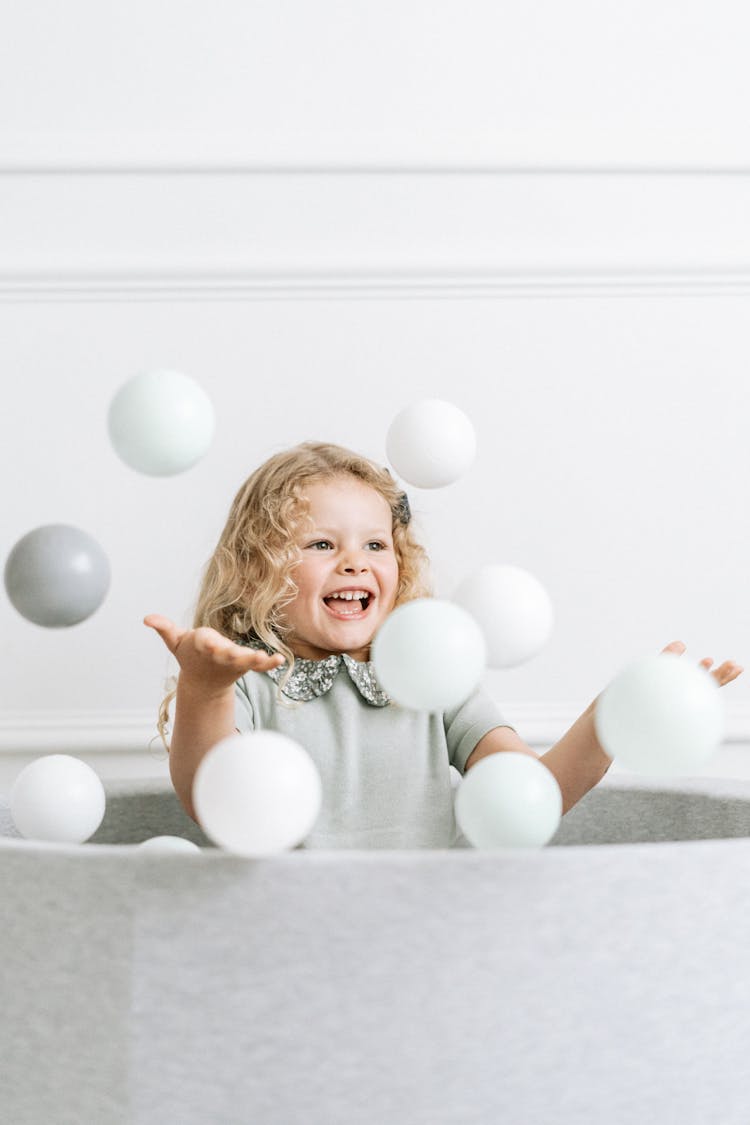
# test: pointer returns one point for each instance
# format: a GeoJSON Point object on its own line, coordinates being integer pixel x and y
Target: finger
{"type": "Point", "coordinates": [210, 642]}
{"type": "Point", "coordinates": [263, 661]}
{"type": "Point", "coordinates": [706, 662]}
{"type": "Point", "coordinates": [220, 649]}
{"type": "Point", "coordinates": [156, 620]}
{"type": "Point", "coordinates": [677, 647]}
{"type": "Point", "coordinates": [727, 672]}
{"type": "Point", "coordinates": [225, 651]}
{"type": "Point", "coordinates": [723, 672]}
{"type": "Point", "coordinates": [167, 630]}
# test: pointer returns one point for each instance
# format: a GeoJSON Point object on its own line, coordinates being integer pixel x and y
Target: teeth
{"type": "Point", "coordinates": [350, 595]}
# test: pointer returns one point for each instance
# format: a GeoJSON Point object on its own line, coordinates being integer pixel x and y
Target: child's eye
{"type": "Point", "coordinates": [326, 544]}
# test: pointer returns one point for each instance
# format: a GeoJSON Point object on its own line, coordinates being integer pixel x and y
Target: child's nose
{"type": "Point", "coordinates": [354, 562]}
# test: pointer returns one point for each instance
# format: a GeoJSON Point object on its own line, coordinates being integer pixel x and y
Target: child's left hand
{"type": "Point", "coordinates": [724, 674]}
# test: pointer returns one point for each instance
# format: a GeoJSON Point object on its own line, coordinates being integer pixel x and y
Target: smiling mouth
{"type": "Point", "coordinates": [346, 608]}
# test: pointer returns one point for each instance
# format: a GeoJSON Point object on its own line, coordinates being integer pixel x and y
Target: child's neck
{"type": "Point", "coordinates": [309, 652]}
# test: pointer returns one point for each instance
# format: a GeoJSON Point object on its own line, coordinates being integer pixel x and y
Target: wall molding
{"type": "Point", "coordinates": [367, 234]}
{"type": "Point", "coordinates": [92, 732]}
{"type": "Point", "coordinates": [96, 732]}
{"type": "Point", "coordinates": [398, 285]}
{"type": "Point", "coordinates": [542, 724]}
{"type": "Point", "coordinates": [137, 163]}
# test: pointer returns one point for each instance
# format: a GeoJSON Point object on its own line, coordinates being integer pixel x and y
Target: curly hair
{"type": "Point", "coordinates": [249, 579]}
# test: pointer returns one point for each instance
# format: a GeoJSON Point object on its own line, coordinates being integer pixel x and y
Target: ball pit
{"type": "Point", "coordinates": [603, 979]}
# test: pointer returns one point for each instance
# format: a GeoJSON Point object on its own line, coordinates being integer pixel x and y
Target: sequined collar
{"type": "Point", "coordinates": [312, 678]}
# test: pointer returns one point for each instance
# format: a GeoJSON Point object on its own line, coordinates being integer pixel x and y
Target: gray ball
{"type": "Point", "coordinates": [57, 575]}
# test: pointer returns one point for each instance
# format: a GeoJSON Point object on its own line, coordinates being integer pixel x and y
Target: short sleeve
{"type": "Point", "coordinates": [466, 724]}
{"type": "Point", "coordinates": [244, 718]}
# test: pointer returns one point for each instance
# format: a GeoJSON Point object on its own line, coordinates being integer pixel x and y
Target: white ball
{"type": "Point", "coordinates": [429, 654]}
{"type": "Point", "coordinates": [513, 609]}
{"type": "Point", "coordinates": [161, 422]}
{"type": "Point", "coordinates": [431, 443]}
{"type": "Point", "coordinates": [58, 798]}
{"type": "Point", "coordinates": [256, 794]}
{"type": "Point", "coordinates": [660, 715]}
{"type": "Point", "coordinates": [168, 844]}
{"type": "Point", "coordinates": [508, 800]}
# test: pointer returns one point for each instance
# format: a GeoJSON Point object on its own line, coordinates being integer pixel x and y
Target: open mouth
{"type": "Point", "coordinates": [348, 605]}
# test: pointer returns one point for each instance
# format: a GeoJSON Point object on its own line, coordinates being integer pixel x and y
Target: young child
{"type": "Point", "coordinates": [316, 552]}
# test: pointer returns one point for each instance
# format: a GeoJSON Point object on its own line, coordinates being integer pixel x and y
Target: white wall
{"type": "Point", "coordinates": [325, 211]}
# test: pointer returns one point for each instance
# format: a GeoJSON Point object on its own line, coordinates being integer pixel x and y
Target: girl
{"type": "Point", "coordinates": [316, 552]}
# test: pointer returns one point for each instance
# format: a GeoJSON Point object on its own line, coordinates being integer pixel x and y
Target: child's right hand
{"type": "Point", "coordinates": [207, 659]}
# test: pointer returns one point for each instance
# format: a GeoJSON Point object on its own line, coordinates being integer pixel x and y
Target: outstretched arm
{"type": "Point", "coordinates": [210, 665]}
{"type": "Point", "coordinates": [578, 761]}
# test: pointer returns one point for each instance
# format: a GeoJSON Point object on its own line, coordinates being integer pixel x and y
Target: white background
{"type": "Point", "coordinates": [323, 212]}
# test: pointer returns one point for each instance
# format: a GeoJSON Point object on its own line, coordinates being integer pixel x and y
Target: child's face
{"type": "Point", "coordinates": [347, 546]}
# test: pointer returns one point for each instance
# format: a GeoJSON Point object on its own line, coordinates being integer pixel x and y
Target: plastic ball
{"type": "Point", "coordinates": [161, 423]}
{"type": "Point", "coordinates": [257, 794]}
{"type": "Point", "coordinates": [513, 609]}
{"type": "Point", "coordinates": [167, 844]}
{"type": "Point", "coordinates": [660, 715]}
{"type": "Point", "coordinates": [57, 575]}
{"type": "Point", "coordinates": [58, 798]}
{"type": "Point", "coordinates": [508, 800]}
{"type": "Point", "coordinates": [431, 443]}
{"type": "Point", "coordinates": [429, 654]}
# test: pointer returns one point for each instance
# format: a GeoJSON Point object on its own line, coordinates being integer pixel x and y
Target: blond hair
{"type": "Point", "coordinates": [248, 581]}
